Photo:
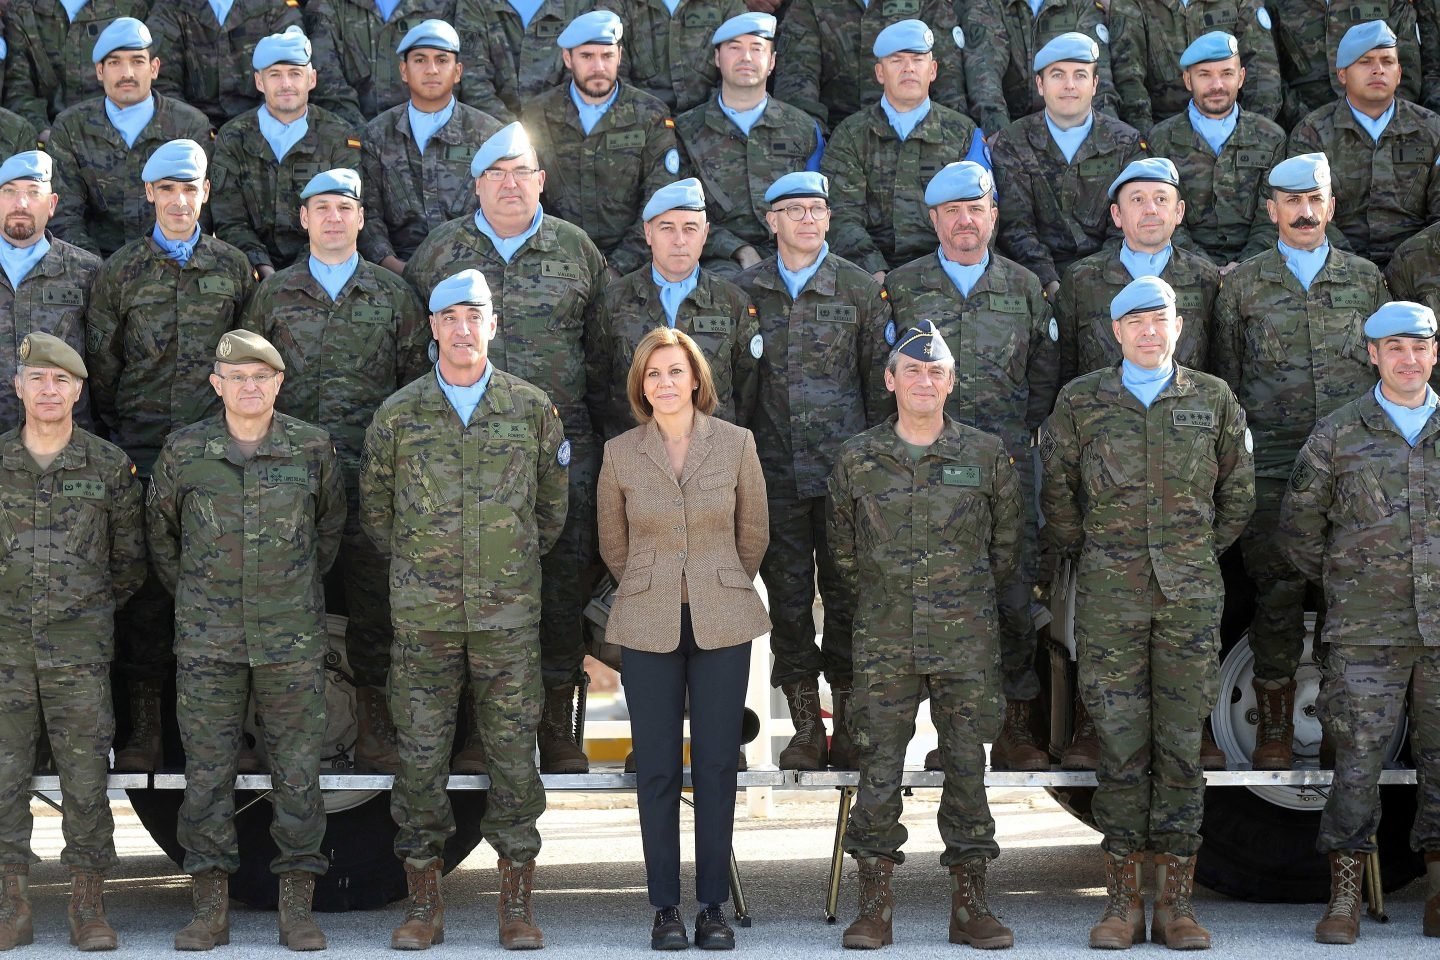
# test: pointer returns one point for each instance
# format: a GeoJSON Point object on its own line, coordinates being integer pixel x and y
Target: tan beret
{"type": "Point", "coordinates": [44, 350]}
{"type": "Point", "coordinates": [243, 346]}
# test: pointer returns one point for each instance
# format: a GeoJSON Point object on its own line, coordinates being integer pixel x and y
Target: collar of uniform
{"type": "Point", "coordinates": [14, 456]}
{"type": "Point", "coordinates": [933, 276]}
{"type": "Point", "coordinates": [702, 296]}
{"type": "Point", "coordinates": [497, 398]}
{"type": "Point", "coordinates": [96, 123]}
{"type": "Point", "coordinates": [543, 239]}
{"type": "Point", "coordinates": [824, 282]}
{"type": "Point", "coordinates": [254, 142]}
{"type": "Point", "coordinates": [1405, 120]}
{"type": "Point", "coordinates": [52, 264]}
{"type": "Point", "coordinates": [929, 129]}
{"type": "Point", "coordinates": [275, 444]}
{"type": "Point", "coordinates": [1378, 421]}
{"type": "Point", "coordinates": [298, 276]}
{"type": "Point", "coordinates": [620, 113]}
{"type": "Point", "coordinates": [203, 257]}
{"type": "Point", "coordinates": [1336, 269]}
{"type": "Point", "coordinates": [1101, 138]}
{"type": "Point", "coordinates": [1112, 384]}
{"type": "Point", "coordinates": [948, 446]}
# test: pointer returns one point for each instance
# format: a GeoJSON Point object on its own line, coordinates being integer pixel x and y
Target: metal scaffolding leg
{"type": "Point", "coordinates": [1374, 887]}
{"type": "Point", "coordinates": [837, 855]}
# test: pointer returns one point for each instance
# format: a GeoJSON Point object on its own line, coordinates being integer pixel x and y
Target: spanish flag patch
{"type": "Point", "coordinates": [670, 122]}
{"type": "Point", "coordinates": [353, 142]}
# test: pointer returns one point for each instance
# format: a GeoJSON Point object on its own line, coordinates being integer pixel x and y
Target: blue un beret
{"type": "Point", "coordinates": [681, 195]}
{"type": "Point", "coordinates": [1144, 293]}
{"type": "Point", "coordinates": [961, 180]}
{"type": "Point", "coordinates": [431, 34]}
{"type": "Point", "coordinates": [29, 165]}
{"type": "Point", "coordinates": [340, 181]}
{"type": "Point", "coordinates": [1361, 39]}
{"type": "Point", "coordinates": [761, 25]}
{"type": "Point", "coordinates": [908, 36]}
{"type": "Point", "coordinates": [125, 33]}
{"type": "Point", "coordinates": [176, 160]}
{"type": "Point", "coordinates": [1401, 318]}
{"type": "Point", "coordinates": [1068, 46]}
{"type": "Point", "coordinates": [508, 142]}
{"type": "Point", "coordinates": [597, 26]}
{"type": "Point", "coordinates": [923, 342]}
{"type": "Point", "coordinates": [1151, 169]}
{"type": "Point", "coordinates": [292, 46]}
{"type": "Point", "coordinates": [1309, 171]}
{"type": "Point", "coordinates": [1210, 48]}
{"type": "Point", "coordinates": [467, 286]}
{"type": "Point", "coordinates": [806, 183]}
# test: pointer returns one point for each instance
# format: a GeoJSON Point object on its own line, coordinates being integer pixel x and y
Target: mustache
{"type": "Point", "coordinates": [1299, 222]}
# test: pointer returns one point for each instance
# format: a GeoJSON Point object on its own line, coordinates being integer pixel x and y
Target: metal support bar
{"type": "Point", "coordinates": [837, 855]}
{"type": "Point", "coordinates": [47, 801]}
{"type": "Point", "coordinates": [1374, 888]}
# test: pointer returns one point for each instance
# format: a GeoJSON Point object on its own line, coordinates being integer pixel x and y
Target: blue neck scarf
{"type": "Point", "coordinates": [221, 9]}
{"type": "Point", "coordinates": [507, 247]}
{"type": "Point", "coordinates": [281, 136]}
{"type": "Point", "coordinates": [386, 8]}
{"type": "Point", "coordinates": [1035, 6]}
{"type": "Point", "coordinates": [590, 113]}
{"type": "Point", "coordinates": [795, 280]}
{"type": "Point", "coordinates": [1212, 131]}
{"type": "Point", "coordinates": [744, 119]}
{"type": "Point", "coordinates": [465, 399]}
{"type": "Point", "coordinates": [526, 9]}
{"type": "Point", "coordinates": [1069, 140]}
{"type": "Point", "coordinates": [1408, 420]}
{"type": "Point", "coordinates": [424, 125]}
{"type": "Point", "coordinates": [178, 250]}
{"type": "Point", "coordinates": [1305, 264]}
{"type": "Point", "coordinates": [1145, 264]}
{"type": "Point", "coordinates": [333, 278]}
{"type": "Point", "coordinates": [1376, 127]}
{"type": "Point", "coordinates": [672, 5]}
{"type": "Point", "coordinates": [19, 261]}
{"type": "Point", "coordinates": [72, 7]}
{"type": "Point", "coordinates": [904, 124]}
{"type": "Point", "coordinates": [672, 294]}
{"type": "Point", "coordinates": [1146, 384]}
{"type": "Point", "coordinates": [964, 277]}
{"type": "Point", "coordinates": [129, 121]}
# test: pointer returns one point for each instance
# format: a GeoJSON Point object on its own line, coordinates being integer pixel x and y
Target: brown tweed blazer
{"type": "Point", "coordinates": [713, 527]}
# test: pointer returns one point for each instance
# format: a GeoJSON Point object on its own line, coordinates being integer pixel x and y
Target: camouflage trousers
{"type": "Point", "coordinates": [966, 709]}
{"type": "Point", "coordinates": [564, 573]}
{"type": "Point", "coordinates": [75, 702]}
{"type": "Point", "coordinates": [213, 697]}
{"type": "Point", "coordinates": [1361, 701]}
{"type": "Point", "coordinates": [1149, 675]}
{"type": "Point", "coordinates": [1277, 634]}
{"type": "Point", "coordinates": [1012, 600]}
{"type": "Point", "coordinates": [364, 576]}
{"type": "Point", "coordinates": [797, 547]}
{"type": "Point", "coordinates": [427, 672]}
{"type": "Point", "coordinates": [145, 633]}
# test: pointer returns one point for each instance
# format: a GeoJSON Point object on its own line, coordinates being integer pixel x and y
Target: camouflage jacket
{"type": "Point", "coordinates": [16, 134]}
{"type": "Point", "coordinates": [102, 197]}
{"type": "Point", "coordinates": [150, 339]}
{"type": "Point", "coordinates": [822, 351]}
{"type": "Point", "coordinates": [255, 201]}
{"type": "Point", "coordinates": [922, 545]}
{"type": "Point", "coordinates": [506, 61]}
{"type": "Point", "coordinates": [364, 46]}
{"type": "Point", "coordinates": [1133, 492]}
{"type": "Point", "coordinates": [1414, 271]}
{"type": "Point", "coordinates": [877, 183]}
{"type": "Point", "coordinates": [1053, 212]}
{"type": "Point", "coordinates": [465, 512]}
{"type": "Point", "coordinates": [670, 56]}
{"type": "Point", "coordinates": [600, 181]}
{"type": "Point", "coordinates": [73, 541]}
{"type": "Point", "coordinates": [1293, 356]}
{"type": "Point", "coordinates": [244, 545]}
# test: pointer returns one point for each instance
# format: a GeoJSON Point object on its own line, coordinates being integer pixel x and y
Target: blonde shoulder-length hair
{"type": "Point", "coordinates": [705, 399]}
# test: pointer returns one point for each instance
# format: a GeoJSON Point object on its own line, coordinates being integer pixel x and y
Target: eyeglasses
{"type": "Point", "coordinates": [240, 379]}
{"type": "Point", "coordinates": [521, 174]}
{"type": "Point", "coordinates": [797, 211]}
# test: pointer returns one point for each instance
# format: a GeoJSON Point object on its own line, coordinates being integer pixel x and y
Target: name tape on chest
{"type": "Point", "coordinates": [84, 489]}
{"type": "Point", "coordinates": [508, 430]}
{"type": "Point", "coordinates": [1195, 418]}
{"type": "Point", "coordinates": [962, 476]}
{"type": "Point", "coordinates": [280, 474]}
{"type": "Point", "coordinates": [717, 324]}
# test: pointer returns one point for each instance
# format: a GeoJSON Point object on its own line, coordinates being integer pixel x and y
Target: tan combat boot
{"type": "Point", "coordinates": [1173, 924]}
{"type": "Point", "coordinates": [470, 761]}
{"type": "Point", "coordinates": [970, 918]}
{"type": "Point", "coordinates": [298, 929]}
{"type": "Point", "coordinates": [143, 752]}
{"type": "Point", "coordinates": [1211, 756]}
{"type": "Point", "coordinates": [89, 930]}
{"type": "Point", "coordinates": [1275, 735]}
{"type": "Point", "coordinates": [1017, 747]}
{"type": "Point", "coordinates": [559, 750]}
{"type": "Point", "coordinates": [375, 750]}
{"type": "Point", "coordinates": [517, 913]}
{"type": "Point", "coordinates": [842, 753]}
{"type": "Point", "coordinates": [1341, 923]}
{"type": "Point", "coordinates": [425, 919]}
{"type": "Point", "coordinates": [1084, 750]}
{"type": "Point", "coordinates": [210, 892]}
{"type": "Point", "coordinates": [872, 928]}
{"type": "Point", "coordinates": [1432, 893]}
{"type": "Point", "coordinates": [806, 749]}
{"type": "Point", "coordinates": [16, 926]}
{"type": "Point", "coordinates": [1123, 922]}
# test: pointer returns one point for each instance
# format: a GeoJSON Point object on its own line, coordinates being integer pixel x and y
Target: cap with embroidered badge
{"type": "Point", "coordinates": [341, 181]}
{"type": "Point", "coordinates": [292, 46]}
{"type": "Point", "coordinates": [1361, 39]}
{"type": "Point", "coordinates": [1401, 318]}
{"type": "Point", "coordinates": [903, 36]}
{"type": "Point", "coordinates": [1211, 47]}
{"type": "Point", "coordinates": [685, 194]}
{"type": "Point", "coordinates": [1076, 47]}
{"type": "Point", "coordinates": [432, 35]}
{"type": "Point", "coordinates": [27, 165]}
{"type": "Point", "coordinates": [597, 26]}
{"type": "Point", "coordinates": [1146, 169]}
{"type": "Point", "coordinates": [1140, 294]}
{"type": "Point", "coordinates": [1309, 171]}
{"type": "Point", "coordinates": [508, 142]}
{"type": "Point", "coordinates": [177, 160]}
{"type": "Point", "coordinates": [804, 183]}
{"type": "Point", "coordinates": [467, 286]}
{"type": "Point", "coordinates": [123, 33]}
{"type": "Point", "coordinates": [247, 346]}
{"type": "Point", "coordinates": [760, 25]}
{"type": "Point", "coordinates": [46, 350]}
{"type": "Point", "coordinates": [961, 180]}
{"type": "Point", "coordinates": [923, 342]}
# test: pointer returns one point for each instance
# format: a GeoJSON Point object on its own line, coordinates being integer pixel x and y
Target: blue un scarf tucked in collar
{"type": "Point", "coordinates": [1145, 264]}
{"type": "Point", "coordinates": [221, 9]}
{"type": "Point", "coordinates": [744, 119]}
{"type": "Point", "coordinates": [526, 9]}
{"type": "Point", "coordinates": [590, 113]}
{"type": "Point", "coordinates": [794, 280]}
{"type": "Point", "coordinates": [1214, 132]}
{"type": "Point", "coordinates": [1408, 420]}
{"type": "Point", "coordinates": [507, 247]}
{"type": "Point", "coordinates": [1146, 384]}
{"type": "Point", "coordinates": [386, 8]}
{"type": "Point", "coordinates": [333, 277]}
{"type": "Point", "coordinates": [19, 261]}
{"type": "Point", "coordinates": [1376, 126]}
{"type": "Point", "coordinates": [281, 136]}
{"type": "Point", "coordinates": [964, 276]}
{"type": "Point", "coordinates": [178, 250]}
{"type": "Point", "coordinates": [904, 124]}
{"type": "Point", "coordinates": [1304, 264]}
{"type": "Point", "coordinates": [73, 7]}
{"type": "Point", "coordinates": [130, 121]}
{"type": "Point", "coordinates": [465, 399]}
{"type": "Point", "coordinates": [424, 125]}
{"type": "Point", "coordinates": [673, 293]}
{"type": "Point", "coordinates": [1069, 140]}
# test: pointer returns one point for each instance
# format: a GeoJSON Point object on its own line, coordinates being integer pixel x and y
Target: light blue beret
{"type": "Point", "coordinates": [1068, 46]}
{"type": "Point", "coordinates": [431, 34]}
{"type": "Point", "coordinates": [908, 36]}
{"type": "Point", "coordinates": [1152, 169]}
{"type": "Point", "coordinates": [1401, 318]}
{"type": "Point", "coordinates": [1309, 171]}
{"type": "Point", "coordinates": [746, 24]}
{"type": "Point", "coordinates": [597, 26]}
{"type": "Point", "coordinates": [124, 33]}
{"type": "Point", "coordinates": [1143, 293]}
{"type": "Point", "coordinates": [1361, 39]}
{"type": "Point", "coordinates": [29, 165]}
{"type": "Point", "coordinates": [962, 180]}
{"type": "Point", "coordinates": [509, 141]}
{"type": "Point", "coordinates": [467, 286]}
{"type": "Point", "coordinates": [341, 181]}
{"type": "Point", "coordinates": [923, 342]}
{"type": "Point", "coordinates": [806, 183]}
{"type": "Point", "coordinates": [1209, 48]}
{"type": "Point", "coordinates": [176, 160]}
{"type": "Point", "coordinates": [681, 195]}
{"type": "Point", "coordinates": [292, 46]}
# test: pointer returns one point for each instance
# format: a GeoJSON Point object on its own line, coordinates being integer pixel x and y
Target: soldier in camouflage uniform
{"type": "Point", "coordinates": [463, 485]}
{"type": "Point", "coordinates": [514, 56]}
{"type": "Point", "coordinates": [1288, 339]}
{"type": "Point", "coordinates": [1148, 478]}
{"type": "Point", "coordinates": [606, 145]}
{"type": "Point", "coordinates": [415, 159]}
{"type": "Point", "coordinates": [1222, 153]}
{"type": "Point", "coordinates": [46, 282]}
{"type": "Point", "coordinates": [545, 273]}
{"type": "Point", "coordinates": [16, 133]}
{"type": "Point", "coordinates": [99, 146]}
{"type": "Point", "coordinates": [925, 526]}
{"type": "Point", "coordinates": [48, 67]}
{"type": "Point", "coordinates": [351, 333]}
{"type": "Point", "coordinates": [157, 308]}
{"type": "Point", "coordinates": [668, 55]}
{"type": "Point", "coordinates": [365, 34]}
{"type": "Point", "coordinates": [1053, 167]}
{"type": "Point", "coordinates": [1382, 149]}
{"type": "Point", "coordinates": [880, 160]}
{"type": "Point", "coordinates": [1414, 271]}
{"type": "Point", "coordinates": [741, 140]}
{"type": "Point", "coordinates": [75, 550]}
{"type": "Point", "coordinates": [673, 290]}
{"type": "Point", "coordinates": [822, 319]}
{"type": "Point", "coordinates": [208, 62]}
{"type": "Point", "coordinates": [264, 157]}
{"type": "Point", "coordinates": [1005, 377]}
{"type": "Point", "coordinates": [243, 519]}
{"type": "Point", "coordinates": [1357, 518]}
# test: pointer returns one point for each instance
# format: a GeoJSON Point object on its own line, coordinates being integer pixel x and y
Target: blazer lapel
{"type": "Point", "coordinates": [699, 447]}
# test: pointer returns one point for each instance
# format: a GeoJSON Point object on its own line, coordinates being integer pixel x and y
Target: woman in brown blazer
{"type": "Point", "coordinates": [683, 526]}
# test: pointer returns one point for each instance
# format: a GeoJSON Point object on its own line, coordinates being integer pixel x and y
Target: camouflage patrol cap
{"type": "Point", "coordinates": [46, 350]}
{"type": "Point", "coordinates": [923, 342]}
{"type": "Point", "coordinates": [245, 346]}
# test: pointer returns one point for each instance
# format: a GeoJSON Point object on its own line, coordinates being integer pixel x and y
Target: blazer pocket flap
{"type": "Point", "coordinates": [733, 577]}
{"type": "Point", "coordinates": [639, 560]}
{"type": "Point", "coordinates": [714, 481]}
{"type": "Point", "coordinates": [634, 583]}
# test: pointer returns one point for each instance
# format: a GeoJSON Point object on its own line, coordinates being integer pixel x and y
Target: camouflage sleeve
{"type": "Point", "coordinates": [1227, 334]}
{"type": "Point", "coordinates": [1060, 481]}
{"type": "Point", "coordinates": [873, 351]}
{"type": "Point", "coordinates": [748, 342]}
{"type": "Point", "coordinates": [104, 349]}
{"type": "Point", "coordinates": [1303, 139]}
{"type": "Point", "coordinates": [256, 315]}
{"type": "Point", "coordinates": [615, 532]}
{"type": "Point", "coordinates": [1264, 93]}
{"type": "Point", "coordinates": [632, 252]}
{"type": "Point", "coordinates": [127, 534]}
{"type": "Point", "coordinates": [412, 336]}
{"type": "Point", "coordinates": [1399, 279]}
{"type": "Point", "coordinates": [797, 78]}
{"type": "Point", "coordinates": [949, 88]}
{"type": "Point", "coordinates": [845, 167]}
{"type": "Point", "coordinates": [1305, 510]}
{"type": "Point", "coordinates": [1403, 21]}
{"type": "Point", "coordinates": [478, 85]}
{"type": "Point", "coordinates": [422, 271]}
{"type": "Point", "coordinates": [1007, 515]}
{"type": "Point", "coordinates": [1432, 194]}
{"type": "Point", "coordinates": [162, 519]}
{"type": "Point", "coordinates": [375, 244]}
{"type": "Point", "coordinates": [1019, 236]}
{"type": "Point", "coordinates": [987, 56]}
{"type": "Point", "coordinates": [1235, 488]}
{"type": "Point", "coordinates": [169, 42]}
{"type": "Point", "coordinates": [1067, 325]}
{"type": "Point", "coordinates": [1427, 17]}
{"type": "Point", "coordinates": [552, 492]}
{"type": "Point", "coordinates": [23, 94]}
{"type": "Point", "coordinates": [1093, 23]}
{"type": "Point", "coordinates": [1042, 369]}
{"type": "Point", "coordinates": [597, 364]}
{"type": "Point", "coordinates": [1129, 59]}
{"type": "Point", "coordinates": [345, 152]}
{"type": "Point", "coordinates": [329, 509]}
{"type": "Point", "coordinates": [71, 213]}
{"type": "Point", "coordinates": [377, 482]}
{"type": "Point", "coordinates": [840, 524]}
{"type": "Point", "coordinates": [333, 91]}
{"type": "Point", "coordinates": [227, 204]}
{"type": "Point", "coordinates": [752, 510]}
{"type": "Point", "coordinates": [1263, 234]}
